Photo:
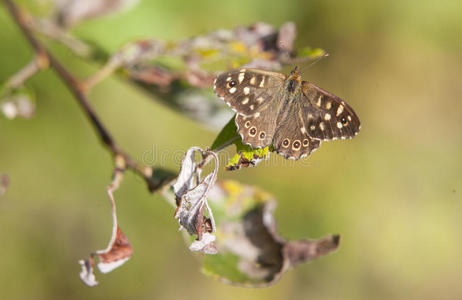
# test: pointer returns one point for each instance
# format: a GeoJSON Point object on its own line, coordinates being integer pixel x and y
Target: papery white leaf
{"type": "Point", "coordinates": [185, 180]}
{"type": "Point", "coordinates": [191, 193]}
{"type": "Point", "coordinates": [205, 245]}
{"type": "Point", "coordinates": [106, 267]}
{"type": "Point", "coordinates": [87, 275]}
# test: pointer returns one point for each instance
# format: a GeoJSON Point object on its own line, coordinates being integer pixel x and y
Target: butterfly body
{"type": "Point", "coordinates": [294, 116]}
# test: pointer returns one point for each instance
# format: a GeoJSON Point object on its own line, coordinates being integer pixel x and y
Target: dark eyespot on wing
{"type": "Point", "coordinates": [291, 139]}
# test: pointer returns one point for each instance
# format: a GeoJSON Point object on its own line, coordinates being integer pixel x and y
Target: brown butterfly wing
{"type": "Point", "coordinates": [326, 116]}
{"type": "Point", "coordinates": [291, 139]}
{"type": "Point", "coordinates": [258, 129]}
{"type": "Point", "coordinates": [247, 91]}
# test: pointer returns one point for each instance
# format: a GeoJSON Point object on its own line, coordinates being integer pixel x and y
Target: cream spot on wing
{"type": "Point", "coordinates": [262, 82]}
{"type": "Point", "coordinates": [256, 115]}
{"type": "Point", "coordinates": [232, 90]}
{"type": "Point", "coordinates": [349, 118]}
{"type": "Point", "coordinates": [310, 116]}
{"type": "Point", "coordinates": [303, 129]}
{"type": "Point", "coordinates": [339, 110]}
{"type": "Point", "coordinates": [328, 104]}
{"type": "Point", "coordinates": [252, 107]}
{"type": "Point", "coordinates": [322, 126]}
{"type": "Point", "coordinates": [241, 77]}
{"type": "Point", "coordinates": [228, 79]}
{"type": "Point", "coordinates": [312, 127]}
{"type": "Point", "coordinates": [339, 125]}
{"type": "Point", "coordinates": [245, 101]}
{"type": "Point", "coordinates": [253, 80]}
{"type": "Point", "coordinates": [327, 117]}
{"type": "Point", "coordinates": [318, 103]}
{"type": "Point", "coordinates": [260, 100]}
{"type": "Point", "coordinates": [246, 90]}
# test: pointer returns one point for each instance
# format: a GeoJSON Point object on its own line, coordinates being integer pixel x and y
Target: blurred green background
{"type": "Point", "coordinates": [393, 192]}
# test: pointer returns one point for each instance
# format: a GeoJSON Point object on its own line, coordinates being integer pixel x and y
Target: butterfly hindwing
{"type": "Point", "coordinates": [326, 116]}
{"type": "Point", "coordinates": [291, 139]}
{"type": "Point", "coordinates": [247, 91]}
{"type": "Point", "coordinates": [258, 129]}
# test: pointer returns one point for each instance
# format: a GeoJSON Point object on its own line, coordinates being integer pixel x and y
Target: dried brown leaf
{"type": "Point", "coordinates": [250, 250]}
{"type": "Point", "coordinates": [118, 250]}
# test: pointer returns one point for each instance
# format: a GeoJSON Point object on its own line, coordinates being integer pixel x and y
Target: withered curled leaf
{"type": "Point", "coordinates": [191, 199]}
{"type": "Point", "coordinates": [118, 250]}
{"type": "Point", "coordinates": [250, 250]}
{"type": "Point", "coordinates": [116, 254]}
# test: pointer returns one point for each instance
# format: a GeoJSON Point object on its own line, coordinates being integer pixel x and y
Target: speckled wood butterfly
{"type": "Point", "coordinates": [294, 116]}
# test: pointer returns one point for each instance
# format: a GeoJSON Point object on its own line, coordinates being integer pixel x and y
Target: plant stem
{"type": "Point", "coordinates": [77, 89]}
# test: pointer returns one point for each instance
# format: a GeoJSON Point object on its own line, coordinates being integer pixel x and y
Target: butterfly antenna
{"type": "Point", "coordinates": [317, 59]}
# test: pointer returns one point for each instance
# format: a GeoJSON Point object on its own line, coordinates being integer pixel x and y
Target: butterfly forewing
{"type": "Point", "coordinates": [326, 116]}
{"type": "Point", "coordinates": [248, 91]}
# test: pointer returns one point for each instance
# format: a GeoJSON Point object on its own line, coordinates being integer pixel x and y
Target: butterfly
{"type": "Point", "coordinates": [294, 116]}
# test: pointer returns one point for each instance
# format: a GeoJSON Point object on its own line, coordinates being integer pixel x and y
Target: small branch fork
{"type": "Point", "coordinates": [43, 59]}
{"type": "Point", "coordinates": [29, 70]}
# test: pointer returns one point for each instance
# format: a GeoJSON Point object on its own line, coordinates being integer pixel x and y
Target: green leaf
{"type": "Point", "coordinates": [159, 178]}
{"type": "Point", "coordinates": [311, 53]}
{"type": "Point", "coordinates": [227, 136]}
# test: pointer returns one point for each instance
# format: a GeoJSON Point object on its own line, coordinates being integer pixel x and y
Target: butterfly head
{"type": "Point", "coordinates": [293, 81]}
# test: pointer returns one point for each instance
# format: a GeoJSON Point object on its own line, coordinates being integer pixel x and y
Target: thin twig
{"type": "Point", "coordinates": [77, 89]}
{"type": "Point", "coordinates": [25, 73]}
{"type": "Point", "coordinates": [105, 71]}
{"type": "Point", "coordinates": [54, 32]}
